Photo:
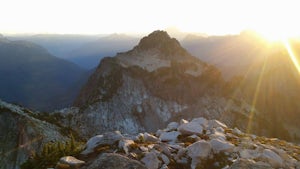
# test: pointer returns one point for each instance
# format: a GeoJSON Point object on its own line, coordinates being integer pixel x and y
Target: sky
{"type": "Point", "coordinates": [213, 17]}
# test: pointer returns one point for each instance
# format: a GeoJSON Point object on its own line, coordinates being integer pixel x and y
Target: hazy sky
{"type": "Point", "coordinates": [140, 16]}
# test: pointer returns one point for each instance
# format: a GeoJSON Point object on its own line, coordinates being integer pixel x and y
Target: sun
{"type": "Point", "coordinates": [276, 20]}
{"type": "Point", "coordinates": [275, 34]}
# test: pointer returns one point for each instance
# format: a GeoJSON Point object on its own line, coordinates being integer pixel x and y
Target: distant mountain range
{"type": "Point", "coordinates": [58, 45]}
{"type": "Point", "coordinates": [31, 76]}
{"type": "Point", "coordinates": [83, 50]}
{"type": "Point", "coordinates": [89, 55]}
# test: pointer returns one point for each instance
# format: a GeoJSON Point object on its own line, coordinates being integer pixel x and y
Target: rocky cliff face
{"type": "Point", "coordinates": [155, 82]}
{"type": "Point", "coordinates": [21, 135]}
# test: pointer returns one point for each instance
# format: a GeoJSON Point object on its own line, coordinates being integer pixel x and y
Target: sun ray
{"type": "Point", "coordinates": [292, 55]}
{"type": "Point", "coordinates": [253, 105]}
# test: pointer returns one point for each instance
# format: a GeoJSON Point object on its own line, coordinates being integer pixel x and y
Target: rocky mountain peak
{"type": "Point", "coordinates": [155, 51]}
{"type": "Point", "coordinates": [161, 41]}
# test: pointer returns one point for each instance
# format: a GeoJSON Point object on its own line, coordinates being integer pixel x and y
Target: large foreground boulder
{"type": "Point", "coordinates": [108, 138]}
{"type": "Point", "coordinates": [114, 161]}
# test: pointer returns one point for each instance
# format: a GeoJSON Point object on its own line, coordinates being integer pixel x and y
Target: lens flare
{"type": "Point", "coordinates": [292, 55]}
{"type": "Point", "coordinates": [254, 101]}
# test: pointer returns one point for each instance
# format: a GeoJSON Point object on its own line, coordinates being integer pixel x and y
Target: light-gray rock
{"type": "Point", "coordinates": [202, 121]}
{"type": "Point", "coordinates": [151, 161]}
{"type": "Point", "coordinates": [190, 128]}
{"type": "Point", "coordinates": [144, 149]}
{"type": "Point", "coordinates": [150, 138]}
{"type": "Point", "coordinates": [109, 138]}
{"type": "Point", "coordinates": [183, 121]}
{"type": "Point", "coordinates": [125, 144]}
{"type": "Point", "coordinates": [71, 162]}
{"type": "Point", "coordinates": [215, 123]}
{"type": "Point", "coordinates": [198, 151]}
{"type": "Point", "coordinates": [172, 126]}
{"type": "Point", "coordinates": [217, 135]}
{"type": "Point", "coordinates": [159, 132]}
{"type": "Point", "coordinates": [169, 136]}
{"type": "Point", "coordinates": [221, 146]}
{"type": "Point", "coordinates": [114, 161]}
{"type": "Point", "coordinates": [248, 164]}
{"type": "Point", "coordinates": [165, 159]}
{"type": "Point", "coordinates": [236, 131]}
{"type": "Point", "coordinates": [249, 154]}
{"type": "Point", "coordinates": [164, 167]}
{"type": "Point", "coordinates": [220, 130]}
{"type": "Point", "coordinates": [181, 153]}
{"type": "Point", "coordinates": [272, 158]}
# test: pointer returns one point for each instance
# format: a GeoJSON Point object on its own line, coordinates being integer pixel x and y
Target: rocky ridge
{"type": "Point", "coordinates": [196, 144]}
{"type": "Point", "coordinates": [22, 134]}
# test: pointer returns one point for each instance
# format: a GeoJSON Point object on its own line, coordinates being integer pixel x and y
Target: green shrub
{"type": "Point", "coordinates": [51, 153]}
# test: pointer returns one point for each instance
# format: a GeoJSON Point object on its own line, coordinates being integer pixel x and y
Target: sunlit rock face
{"type": "Point", "coordinates": [21, 135]}
{"type": "Point", "coordinates": [155, 82]}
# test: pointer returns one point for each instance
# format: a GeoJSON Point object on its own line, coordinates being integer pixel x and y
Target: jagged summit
{"type": "Point", "coordinates": [155, 51]}
{"type": "Point", "coordinates": [163, 42]}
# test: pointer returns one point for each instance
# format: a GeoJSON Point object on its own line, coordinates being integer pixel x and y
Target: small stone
{"type": "Point", "coordinates": [182, 121]}
{"type": "Point", "coordinates": [215, 123]}
{"type": "Point", "coordinates": [202, 121]}
{"type": "Point", "coordinates": [190, 128]}
{"type": "Point", "coordinates": [151, 161]}
{"type": "Point", "coordinates": [125, 144]}
{"type": "Point", "coordinates": [164, 167]}
{"type": "Point", "coordinates": [169, 136]}
{"type": "Point", "coordinates": [217, 135]}
{"type": "Point", "coordinates": [249, 154]}
{"type": "Point", "coordinates": [272, 158]}
{"type": "Point", "coordinates": [177, 146]}
{"type": "Point", "coordinates": [221, 146]}
{"type": "Point", "coordinates": [220, 130]}
{"type": "Point", "coordinates": [283, 154]}
{"type": "Point", "coordinates": [140, 137]}
{"type": "Point", "coordinates": [150, 138]}
{"type": "Point", "coordinates": [159, 132]}
{"type": "Point", "coordinates": [199, 149]}
{"type": "Point", "coordinates": [181, 153]}
{"type": "Point", "coordinates": [172, 126]}
{"type": "Point", "coordinates": [236, 131]}
{"type": "Point", "coordinates": [144, 149]}
{"type": "Point", "coordinates": [165, 149]}
{"type": "Point", "coordinates": [165, 159]}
